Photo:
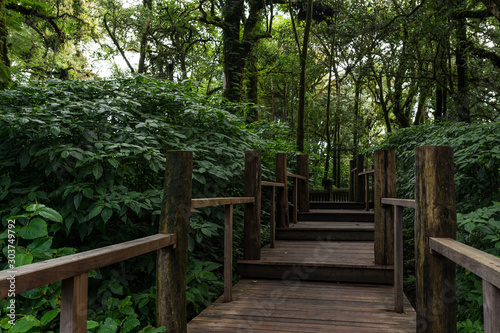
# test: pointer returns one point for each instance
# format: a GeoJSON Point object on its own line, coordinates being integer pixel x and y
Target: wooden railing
{"type": "Point", "coordinates": [331, 194]}
{"type": "Point", "coordinates": [228, 204]}
{"type": "Point", "coordinates": [436, 250]}
{"type": "Point", "coordinates": [171, 242]}
{"type": "Point", "coordinates": [73, 270]}
{"type": "Point", "coordinates": [359, 182]}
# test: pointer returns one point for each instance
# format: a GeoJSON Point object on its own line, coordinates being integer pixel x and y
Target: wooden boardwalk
{"type": "Point", "coordinates": [304, 306]}
{"type": "Point", "coordinates": [318, 279]}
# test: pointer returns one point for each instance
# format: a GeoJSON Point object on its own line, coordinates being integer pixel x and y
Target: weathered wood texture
{"type": "Point", "coordinates": [384, 187]}
{"type": "Point", "coordinates": [435, 216]}
{"type": "Point", "coordinates": [360, 184]}
{"type": "Point", "coordinates": [491, 308]}
{"type": "Point", "coordinates": [483, 264]}
{"type": "Point", "coordinates": [398, 259]}
{"type": "Point", "coordinates": [45, 272]}
{"type": "Point", "coordinates": [273, 184]}
{"type": "Point", "coordinates": [409, 203]}
{"type": "Point", "coordinates": [228, 253]}
{"type": "Point", "coordinates": [74, 296]}
{"type": "Point", "coordinates": [311, 307]}
{"type": "Point", "coordinates": [251, 228]}
{"type": "Point", "coordinates": [295, 199]}
{"type": "Point", "coordinates": [272, 222]}
{"type": "Point", "coordinates": [172, 262]}
{"type": "Point", "coordinates": [352, 181]}
{"type": "Point", "coordinates": [349, 261]}
{"type": "Point", "coordinates": [282, 211]}
{"type": "Point", "coordinates": [303, 189]}
{"type": "Point", "coordinates": [209, 202]}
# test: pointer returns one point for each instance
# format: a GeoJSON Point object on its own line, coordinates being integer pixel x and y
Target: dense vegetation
{"type": "Point", "coordinates": [83, 161]}
{"type": "Point", "coordinates": [477, 181]}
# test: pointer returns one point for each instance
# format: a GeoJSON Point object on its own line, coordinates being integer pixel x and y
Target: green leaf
{"type": "Point", "coordinates": [24, 259]}
{"type": "Point", "coordinates": [106, 214]}
{"type": "Point", "coordinates": [109, 326]}
{"type": "Point", "coordinates": [65, 154]}
{"type": "Point", "coordinates": [77, 200]}
{"type": "Point", "coordinates": [97, 170]}
{"type": "Point", "coordinates": [87, 192]}
{"type": "Point", "coordinates": [96, 211]}
{"type": "Point", "coordinates": [24, 324]}
{"type": "Point", "coordinates": [40, 246]}
{"type": "Point", "coordinates": [114, 162]}
{"type": "Point", "coordinates": [50, 214]}
{"type": "Point", "coordinates": [92, 324]}
{"type": "Point", "coordinates": [36, 228]}
{"type": "Point", "coordinates": [55, 130]}
{"type": "Point", "coordinates": [49, 316]}
{"type": "Point", "coordinates": [130, 323]}
{"type": "Point", "coordinates": [24, 159]}
{"type": "Point", "coordinates": [33, 207]}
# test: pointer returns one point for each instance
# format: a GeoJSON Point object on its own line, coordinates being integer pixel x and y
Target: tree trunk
{"type": "Point", "coordinates": [236, 48]}
{"type": "Point", "coordinates": [252, 87]}
{"type": "Point", "coordinates": [302, 89]}
{"type": "Point", "coordinates": [462, 103]}
{"type": "Point", "coordinates": [4, 60]}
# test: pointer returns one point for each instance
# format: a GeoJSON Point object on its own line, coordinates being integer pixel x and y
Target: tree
{"type": "Point", "coordinates": [239, 21]}
{"type": "Point", "coordinates": [4, 60]}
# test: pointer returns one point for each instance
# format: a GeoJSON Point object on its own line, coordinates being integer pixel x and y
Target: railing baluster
{"type": "Point", "coordinates": [491, 308]}
{"type": "Point", "coordinates": [272, 226]}
{"type": "Point", "coordinates": [228, 253]}
{"type": "Point", "coordinates": [295, 200]}
{"type": "Point", "coordinates": [398, 259]}
{"type": "Point", "coordinates": [74, 295]}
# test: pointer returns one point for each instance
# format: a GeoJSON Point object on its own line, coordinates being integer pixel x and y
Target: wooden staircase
{"type": "Point", "coordinates": [333, 242]}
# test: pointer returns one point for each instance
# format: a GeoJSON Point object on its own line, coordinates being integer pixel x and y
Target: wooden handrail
{"type": "Point", "coordinates": [369, 172]}
{"type": "Point", "coordinates": [410, 203]}
{"type": "Point", "coordinates": [482, 264]}
{"type": "Point", "coordinates": [292, 175]}
{"type": "Point", "coordinates": [274, 184]}
{"type": "Point", "coordinates": [53, 270]}
{"type": "Point", "coordinates": [209, 202]}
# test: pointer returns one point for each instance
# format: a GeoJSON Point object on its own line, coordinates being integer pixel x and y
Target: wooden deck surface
{"type": "Point", "coordinates": [303, 306]}
{"type": "Point", "coordinates": [321, 225]}
{"type": "Point", "coordinates": [320, 253]}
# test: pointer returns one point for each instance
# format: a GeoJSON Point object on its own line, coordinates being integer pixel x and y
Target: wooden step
{"type": "Point", "coordinates": [336, 205]}
{"type": "Point", "coordinates": [337, 215]}
{"type": "Point", "coordinates": [339, 231]}
{"type": "Point", "coordinates": [333, 261]}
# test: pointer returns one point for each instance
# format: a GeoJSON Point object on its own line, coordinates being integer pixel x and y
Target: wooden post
{"type": "Point", "coordinates": [352, 183]}
{"type": "Point", "coordinates": [295, 200]}
{"type": "Point", "coordinates": [384, 187]}
{"type": "Point", "coordinates": [74, 295]}
{"type": "Point", "coordinates": [398, 259]}
{"type": "Point", "coordinates": [282, 214]}
{"type": "Point", "coordinates": [228, 253]}
{"type": "Point", "coordinates": [367, 192]}
{"type": "Point", "coordinates": [172, 261]}
{"type": "Point", "coordinates": [360, 186]}
{"type": "Point", "coordinates": [272, 225]}
{"type": "Point", "coordinates": [251, 228]}
{"type": "Point", "coordinates": [435, 216]}
{"type": "Point", "coordinates": [303, 170]}
{"type": "Point", "coordinates": [491, 308]}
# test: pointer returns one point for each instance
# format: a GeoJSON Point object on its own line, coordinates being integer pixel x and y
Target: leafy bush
{"type": "Point", "coordinates": [93, 153]}
{"type": "Point", "coordinates": [477, 183]}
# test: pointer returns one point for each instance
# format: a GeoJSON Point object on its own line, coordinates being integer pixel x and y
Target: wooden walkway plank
{"type": "Point", "coordinates": [304, 306]}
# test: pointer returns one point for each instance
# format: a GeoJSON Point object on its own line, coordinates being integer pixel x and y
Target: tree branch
{"type": "Point", "coordinates": [115, 41]}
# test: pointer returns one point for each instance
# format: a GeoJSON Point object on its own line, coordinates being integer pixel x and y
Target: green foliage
{"type": "Point", "coordinates": [477, 184]}
{"type": "Point", "coordinates": [82, 163]}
